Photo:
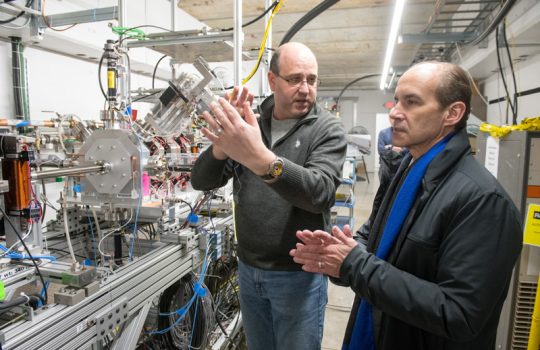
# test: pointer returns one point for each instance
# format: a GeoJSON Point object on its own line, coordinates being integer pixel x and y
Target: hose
{"type": "Point", "coordinates": [317, 10]}
{"type": "Point", "coordinates": [498, 18]}
{"type": "Point", "coordinates": [351, 83]}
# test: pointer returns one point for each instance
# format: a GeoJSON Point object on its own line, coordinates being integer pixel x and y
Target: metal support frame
{"type": "Point", "coordinates": [238, 40]}
{"type": "Point", "coordinates": [73, 327]}
{"type": "Point", "coordinates": [232, 329]}
{"type": "Point", "coordinates": [173, 15]}
{"type": "Point", "coordinates": [85, 16]}
{"type": "Point", "coordinates": [436, 37]}
{"type": "Point", "coordinates": [183, 39]}
{"type": "Point", "coordinates": [265, 68]}
{"type": "Point", "coordinates": [129, 337]}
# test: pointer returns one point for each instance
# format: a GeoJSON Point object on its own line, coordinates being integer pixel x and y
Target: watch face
{"type": "Point", "coordinates": [277, 168]}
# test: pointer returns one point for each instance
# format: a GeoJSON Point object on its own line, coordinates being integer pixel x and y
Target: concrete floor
{"type": "Point", "coordinates": [340, 299]}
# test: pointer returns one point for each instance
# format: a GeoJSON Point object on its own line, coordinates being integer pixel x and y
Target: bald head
{"type": "Point", "coordinates": [292, 78]}
{"type": "Point", "coordinates": [453, 84]}
{"type": "Point", "coordinates": [291, 51]}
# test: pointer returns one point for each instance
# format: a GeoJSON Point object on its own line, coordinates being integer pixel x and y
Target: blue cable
{"type": "Point", "coordinates": [22, 256]}
{"type": "Point", "coordinates": [92, 233]}
{"type": "Point", "coordinates": [198, 291]}
{"type": "Point", "coordinates": [45, 287]}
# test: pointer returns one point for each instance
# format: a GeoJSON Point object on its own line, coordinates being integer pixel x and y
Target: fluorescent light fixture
{"type": "Point", "coordinates": [392, 79]}
{"type": "Point", "coordinates": [396, 21]}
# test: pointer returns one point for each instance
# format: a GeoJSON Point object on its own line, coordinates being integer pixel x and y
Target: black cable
{"type": "Point", "coordinates": [274, 4]}
{"type": "Point", "coordinates": [317, 10]}
{"type": "Point", "coordinates": [189, 205]}
{"type": "Point", "coordinates": [27, 251]}
{"type": "Point", "coordinates": [6, 21]}
{"type": "Point", "coordinates": [30, 299]}
{"type": "Point", "coordinates": [185, 223]}
{"type": "Point", "coordinates": [155, 69]}
{"type": "Point", "coordinates": [145, 96]}
{"type": "Point", "coordinates": [351, 83]}
{"type": "Point", "coordinates": [506, 7]}
{"type": "Point", "coordinates": [66, 252]}
{"type": "Point", "coordinates": [99, 76]}
{"type": "Point", "coordinates": [16, 67]}
{"type": "Point", "coordinates": [501, 71]}
{"type": "Point", "coordinates": [515, 109]}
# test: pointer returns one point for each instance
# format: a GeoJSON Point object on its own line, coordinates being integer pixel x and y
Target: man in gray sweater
{"type": "Point", "coordinates": [285, 167]}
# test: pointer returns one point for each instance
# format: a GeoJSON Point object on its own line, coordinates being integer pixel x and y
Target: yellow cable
{"type": "Point", "coordinates": [527, 124]}
{"type": "Point", "coordinates": [263, 43]}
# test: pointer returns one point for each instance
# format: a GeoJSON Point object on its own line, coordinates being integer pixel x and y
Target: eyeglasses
{"type": "Point", "coordinates": [296, 81]}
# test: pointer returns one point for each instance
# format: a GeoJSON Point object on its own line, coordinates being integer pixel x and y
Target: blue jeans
{"type": "Point", "coordinates": [282, 310]}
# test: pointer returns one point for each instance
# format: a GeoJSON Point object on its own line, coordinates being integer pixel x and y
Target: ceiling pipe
{"type": "Point", "coordinates": [317, 10]}
{"type": "Point", "coordinates": [491, 27]}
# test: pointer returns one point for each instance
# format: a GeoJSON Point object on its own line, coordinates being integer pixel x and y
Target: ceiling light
{"type": "Point", "coordinates": [396, 20]}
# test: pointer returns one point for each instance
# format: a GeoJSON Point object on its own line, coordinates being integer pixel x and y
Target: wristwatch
{"type": "Point", "coordinates": [274, 170]}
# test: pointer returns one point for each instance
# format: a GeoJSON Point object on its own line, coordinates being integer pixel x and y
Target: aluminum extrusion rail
{"type": "Point", "coordinates": [74, 327]}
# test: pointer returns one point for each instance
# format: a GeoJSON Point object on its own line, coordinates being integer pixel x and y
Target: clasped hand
{"type": "Point", "coordinates": [321, 252]}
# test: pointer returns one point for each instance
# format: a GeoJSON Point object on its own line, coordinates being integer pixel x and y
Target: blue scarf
{"type": "Point", "coordinates": [362, 334]}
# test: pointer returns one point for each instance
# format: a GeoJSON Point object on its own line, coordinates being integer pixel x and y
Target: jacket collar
{"type": "Point", "coordinates": [454, 151]}
{"type": "Point", "coordinates": [266, 110]}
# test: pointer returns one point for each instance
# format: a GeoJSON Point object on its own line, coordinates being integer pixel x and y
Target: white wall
{"type": "Point", "coordinates": [57, 83]}
{"type": "Point", "coordinates": [66, 84]}
{"type": "Point", "coordinates": [527, 78]}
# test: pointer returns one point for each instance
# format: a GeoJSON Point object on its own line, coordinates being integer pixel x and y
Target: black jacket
{"type": "Point", "coordinates": [447, 276]}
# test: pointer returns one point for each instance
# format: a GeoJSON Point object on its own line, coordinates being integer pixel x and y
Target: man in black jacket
{"type": "Point", "coordinates": [436, 266]}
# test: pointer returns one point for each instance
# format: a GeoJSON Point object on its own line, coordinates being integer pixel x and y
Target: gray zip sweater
{"type": "Point", "coordinates": [267, 216]}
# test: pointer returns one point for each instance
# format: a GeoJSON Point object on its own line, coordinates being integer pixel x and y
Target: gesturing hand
{"type": "Point", "coordinates": [237, 98]}
{"type": "Point", "coordinates": [239, 138]}
{"type": "Point", "coordinates": [321, 252]}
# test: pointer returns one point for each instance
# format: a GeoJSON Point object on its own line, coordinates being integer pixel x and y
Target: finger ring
{"type": "Point", "coordinates": [218, 131]}
{"type": "Point", "coordinates": [320, 264]}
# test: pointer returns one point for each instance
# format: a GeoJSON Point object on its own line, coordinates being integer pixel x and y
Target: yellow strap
{"type": "Point", "coordinates": [527, 124]}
